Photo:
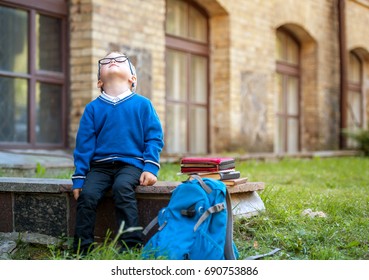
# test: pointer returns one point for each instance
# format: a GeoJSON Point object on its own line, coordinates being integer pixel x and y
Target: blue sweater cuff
{"type": "Point", "coordinates": [152, 168]}
{"type": "Point", "coordinates": [78, 183]}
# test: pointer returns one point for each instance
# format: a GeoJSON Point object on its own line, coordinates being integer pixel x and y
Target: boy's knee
{"type": "Point", "coordinates": [123, 188]}
{"type": "Point", "coordinates": [88, 199]}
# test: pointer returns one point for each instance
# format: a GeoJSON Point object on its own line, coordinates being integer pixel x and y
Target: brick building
{"type": "Point", "coordinates": [250, 76]}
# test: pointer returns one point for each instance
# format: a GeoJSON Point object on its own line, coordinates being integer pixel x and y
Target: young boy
{"type": "Point", "coordinates": [118, 146]}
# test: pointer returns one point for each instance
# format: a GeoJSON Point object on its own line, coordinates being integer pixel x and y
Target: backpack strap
{"type": "Point", "coordinates": [256, 257]}
{"type": "Point", "coordinates": [150, 226]}
{"type": "Point", "coordinates": [213, 209]}
{"type": "Point", "coordinates": [228, 247]}
{"type": "Point", "coordinates": [202, 183]}
{"type": "Point", "coordinates": [206, 188]}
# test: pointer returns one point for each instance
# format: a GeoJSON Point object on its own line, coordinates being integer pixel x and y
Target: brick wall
{"type": "Point", "coordinates": [242, 62]}
{"type": "Point", "coordinates": [100, 26]}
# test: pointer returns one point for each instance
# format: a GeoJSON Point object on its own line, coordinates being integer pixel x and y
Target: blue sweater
{"type": "Point", "coordinates": [128, 131]}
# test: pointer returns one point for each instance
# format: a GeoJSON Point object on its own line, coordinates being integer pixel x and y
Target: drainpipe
{"type": "Point", "coordinates": [343, 71]}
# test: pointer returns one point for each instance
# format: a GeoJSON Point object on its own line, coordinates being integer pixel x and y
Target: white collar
{"type": "Point", "coordinates": [116, 98]}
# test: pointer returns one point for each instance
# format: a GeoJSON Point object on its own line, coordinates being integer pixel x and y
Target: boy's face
{"type": "Point", "coordinates": [115, 65]}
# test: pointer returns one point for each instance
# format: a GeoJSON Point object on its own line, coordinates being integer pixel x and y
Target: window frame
{"type": "Point", "coordinates": [357, 88]}
{"type": "Point", "coordinates": [56, 9]}
{"type": "Point", "coordinates": [286, 69]}
{"type": "Point", "coordinates": [190, 47]}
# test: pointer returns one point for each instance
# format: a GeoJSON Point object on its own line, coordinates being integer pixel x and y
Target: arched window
{"type": "Point", "coordinates": [186, 78]}
{"type": "Point", "coordinates": [355, 95]}
{"type": "Point", "coordinates": [288, 97]}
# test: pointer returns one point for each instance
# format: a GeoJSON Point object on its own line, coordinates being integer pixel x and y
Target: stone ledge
{"type": "Point", "coordinates": [34, 185]}
{"type": "Point", "coordinates": [47, 185]}
{"type": "Point", "coordinates": [47, 206]}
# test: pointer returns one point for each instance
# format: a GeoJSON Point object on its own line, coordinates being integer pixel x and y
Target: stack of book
{"type": "Point", "coordinates": [216, 168]}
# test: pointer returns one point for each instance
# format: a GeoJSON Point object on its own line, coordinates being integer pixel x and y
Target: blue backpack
{"type": "Point", "coordinates": [197, 224]}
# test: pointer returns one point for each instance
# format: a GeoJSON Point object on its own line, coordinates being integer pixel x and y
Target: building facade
{"type": "Point", "coordinates": [282, 76]}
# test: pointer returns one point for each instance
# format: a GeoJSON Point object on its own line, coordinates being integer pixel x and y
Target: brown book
{"type": "Point", "coordinates": [227, 175]}
{"type": "Point", "coordinates": [234, 182]}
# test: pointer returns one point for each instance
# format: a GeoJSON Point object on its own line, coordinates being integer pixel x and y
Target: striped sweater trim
{"type": "Point", "coordinates": [78, 177]}
{"type": "Point", "coordinates": [153, 162]}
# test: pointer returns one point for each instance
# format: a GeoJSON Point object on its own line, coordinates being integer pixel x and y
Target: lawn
{"type": "Point", "coordinates": [338, 187]}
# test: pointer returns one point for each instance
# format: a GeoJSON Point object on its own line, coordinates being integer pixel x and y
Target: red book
{"type": "Point", "coordinates": [204, 164]}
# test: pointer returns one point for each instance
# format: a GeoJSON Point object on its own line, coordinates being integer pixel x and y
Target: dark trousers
{"type": "Point", "coordinates": [122, 179]}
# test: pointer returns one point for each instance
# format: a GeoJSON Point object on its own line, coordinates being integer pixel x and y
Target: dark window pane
{"type": "Point", "coordinates": [13, 40]}
{"type": "Point", "coordinates": [13, 110]}
{"type": "Point", "coordinates": [48, 43]}
{"type": "Point", "coordinates": [48, 113]}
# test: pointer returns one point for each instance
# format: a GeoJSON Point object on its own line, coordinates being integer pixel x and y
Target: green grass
{"type": "Point", "coordinates": [339, 187]}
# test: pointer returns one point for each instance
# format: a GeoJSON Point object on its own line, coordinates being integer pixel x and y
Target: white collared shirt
{"type": "Point", "coordinates": [116, 98]}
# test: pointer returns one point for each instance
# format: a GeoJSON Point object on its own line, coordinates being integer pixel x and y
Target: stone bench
{"type": "Point", "coordinates": [47, 206]}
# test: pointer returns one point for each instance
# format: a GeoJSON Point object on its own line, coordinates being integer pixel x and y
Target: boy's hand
{"type": "Point", "coordinates": [147, 179]}
{"type": "Point", "coordinates": [76, 193]}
